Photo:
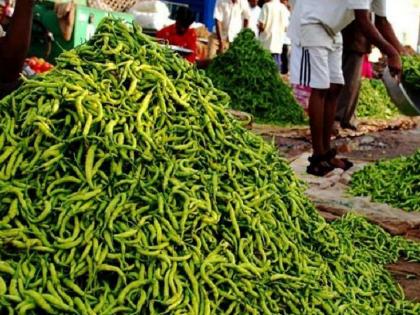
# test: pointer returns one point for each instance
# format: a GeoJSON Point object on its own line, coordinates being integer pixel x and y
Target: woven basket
{"type": "Point", "coordinates": [112, 5]}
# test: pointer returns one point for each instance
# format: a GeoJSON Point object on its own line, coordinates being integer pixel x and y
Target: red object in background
{"type": "Point", "coordinates": [367, 69]}
{"type": "Point", "coordinates": [188, 40]}
{"type": "Point", "coordinates": [38, 65]}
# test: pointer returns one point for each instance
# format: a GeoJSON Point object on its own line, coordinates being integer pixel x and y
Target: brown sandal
{"type": "Point", "coordinates": [319, 166]}
{"type": "Point", "coordinates": [331, 154]}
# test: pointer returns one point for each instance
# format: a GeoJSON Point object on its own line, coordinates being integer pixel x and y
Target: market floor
{"type": "Point", "coordinates": [385, 144]}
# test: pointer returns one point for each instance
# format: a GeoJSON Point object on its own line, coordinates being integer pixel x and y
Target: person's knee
{"type": "Point", "coordinates": [319, 93]}
{"type": "Point", "coordinates": [334, 90]}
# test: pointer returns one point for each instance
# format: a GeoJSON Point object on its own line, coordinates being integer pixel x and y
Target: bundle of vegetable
{"type": "Point", "coordinates": [126, 189]}
{"type": "Point", "coordinates": [374, 101]}
{"type": "Point", "coordinates": [395, 182]}
{"type": "Point", "coordinates": [411, 75]}
{"type": "Point", "coordinates": [248, 73]}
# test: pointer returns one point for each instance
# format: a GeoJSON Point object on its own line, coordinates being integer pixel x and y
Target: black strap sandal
{"type": "Point", "coordinates": [319, 166]}
{"type": "Point", "coordinates": [331, 154]}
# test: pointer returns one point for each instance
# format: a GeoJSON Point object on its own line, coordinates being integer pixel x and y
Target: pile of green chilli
{"type": "Point", "coordinates": [125, 188]}
{"type": "Point", "coordinates": [374, 101]}
{"type": "Point", "coordinates": [411, 74]}
{"type": "Point", "coordinates": [373, 243]}
{"type": "Point", "coordinates": [248, 73]}
{"type": "Point", "coordinates": [395, 182]}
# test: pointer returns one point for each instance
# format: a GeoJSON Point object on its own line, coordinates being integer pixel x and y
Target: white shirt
{"type": "Point", "coordinates": [319, 22]}
{"type": "Point", "coordinates": [231, 16]}
{"type": "Point", "coordinates": [253, 20]}
{"type": "Point", "coordinates": [274, 17]}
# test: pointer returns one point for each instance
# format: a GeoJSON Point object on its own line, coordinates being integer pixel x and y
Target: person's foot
{"type": "Point", "coordinates": [348, 126]}
{"type": "Point", "coordinates": [336, 129]}
{"type": "Point", "coordinates": [342, 163]}
{"type": "Point", "coordinates": [319, 166]}
{"type": "Point", "coordinates": [352, 124]}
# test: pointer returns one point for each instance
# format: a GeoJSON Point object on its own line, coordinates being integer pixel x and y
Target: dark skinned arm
{"type": "Point", "coordinates": [376, 38]}
{"type": "Point", "coordinates": [261, 27]}
{"type": "Point", "coordinates": [387, 31]}
{"type": "Point", "coordinates": [14, 47]}
{"type": "Point", "coordinates": [219, 35]}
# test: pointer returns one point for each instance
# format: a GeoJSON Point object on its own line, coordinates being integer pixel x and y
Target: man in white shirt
{"type": "Point", "coordinates": [317, 62]}
{"type": "Point", "coordinates": [272, 24]}
{"type": "Point", "coordinates": [255, 12]}
{"type": "Point", "coordinates": [231, 16]}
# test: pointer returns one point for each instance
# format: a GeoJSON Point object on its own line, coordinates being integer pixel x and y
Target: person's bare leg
{"type": "Point", "coordinates": [329, 118]}
{"type": "Point", "coordinates": [316, 120]}
{"type": "Point", "coordinates": [331, 100]}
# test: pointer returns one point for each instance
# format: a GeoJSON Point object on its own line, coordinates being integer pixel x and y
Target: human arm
{"type": "Point", "coordinates": [387, 31]}
{"type": "Point", "coordinates": [246, 13]}
{"type": "Point", "coordinates": [161, 33]}
{"type": "Point", "coordinates": [14, 47]}
{"type": "Point", "coordinates": [165, 33]}
{"type": "Point", "coordinates": [262, 19]}
{"type": "Point", "coordinates": [219, 35]}
{"type": "Point", "coordinates": [218, 19]}
{"type": "Point", "coordinates": [191, 43]}
{"type": "Point", "coordinates": [261, 27]}
{"type": "Point", "coordinates": [362, 19]}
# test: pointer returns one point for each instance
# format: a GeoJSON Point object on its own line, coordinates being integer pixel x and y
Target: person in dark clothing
{"type": "Point", "coordinates": [355, 47]}
{"type": "Point", "coordinates": [14, 46]}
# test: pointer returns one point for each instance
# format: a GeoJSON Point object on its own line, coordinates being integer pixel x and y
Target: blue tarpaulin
{"type": "Point", "coordinates": [203, 8]}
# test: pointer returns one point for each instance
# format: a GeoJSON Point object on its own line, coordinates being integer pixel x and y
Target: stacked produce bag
{"type": "Point", "coordinates": [248, 73]}
{"type": "Point", "coordinates": [152, 14]}
{"type": "Point", "coordinates": [127, 189]}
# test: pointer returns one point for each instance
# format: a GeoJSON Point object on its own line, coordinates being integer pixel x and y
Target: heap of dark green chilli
{"type": "Point", "coordinates": [125, 188]}
{"type": "Point", "coordinates": [248, 73]}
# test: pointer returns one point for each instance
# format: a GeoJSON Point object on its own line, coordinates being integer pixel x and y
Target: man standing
{"type": "Point", "coordinates": [356, 46]}
{"type": "Point", "coordinates": [254, 15]}
{"type": "Point", "coordinates": [14, 46]}
{"type": "Point", "coordinates": [287, 43]}
{"type": "Point", "coordinates": [272, 24]}
{"type": "Point", "coordinates": [230, 16]}
{"type": "Point", "coordinates": [317, 33]}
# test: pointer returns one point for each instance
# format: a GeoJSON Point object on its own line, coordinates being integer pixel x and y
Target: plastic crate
{"type": "Point", "coordinates": [86, 21]}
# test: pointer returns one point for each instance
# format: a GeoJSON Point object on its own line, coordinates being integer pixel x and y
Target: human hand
{"type": "Point", "coordinates": [404, 52]}
{"type": "Point", "coordinates": [395, 66]}
{"type": "Point", "coordinates": [221, 47]}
